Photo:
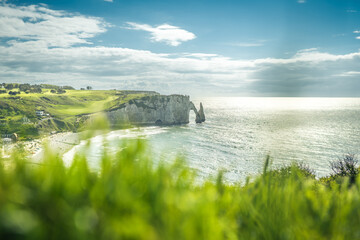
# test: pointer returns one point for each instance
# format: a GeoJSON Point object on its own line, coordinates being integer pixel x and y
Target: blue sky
{"type": "Point", "coordinates": [223, 48]}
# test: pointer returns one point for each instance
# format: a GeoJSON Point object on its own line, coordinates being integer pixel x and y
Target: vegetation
{"type": "Point", "coordinates": [65, 108]}
{"type": "Point", "coordinates": [343, 167]}
{"type": "Point", "coordinates": [130, 197]}
{"type": "Point", "coordinates": [13, 93]}
{"type": "Point", "coordinates": [60, 91]}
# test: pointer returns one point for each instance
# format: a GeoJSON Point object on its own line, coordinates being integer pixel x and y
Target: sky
{"type": "Point", "coordinates": [282, 48]}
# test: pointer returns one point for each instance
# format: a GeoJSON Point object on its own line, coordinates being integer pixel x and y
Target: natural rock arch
{"type": "Point", "coordinates": [200, 115]}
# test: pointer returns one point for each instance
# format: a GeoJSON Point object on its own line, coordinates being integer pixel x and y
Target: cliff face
{"type": "Point", "coordinates": [154, 110]}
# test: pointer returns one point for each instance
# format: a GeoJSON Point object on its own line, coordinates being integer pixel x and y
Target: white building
{"type": "Point", "coordinates": [40, 113]}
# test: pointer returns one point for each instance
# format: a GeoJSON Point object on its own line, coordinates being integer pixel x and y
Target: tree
{"type": "Point", "coordinates": [68, 88]}
{"type": "Point", "coordinates": [36, 90]}
{"type": "Point", "coordinates": [9, 86]}
{"type": "Point", "coordinates": [61, 91]}
{"type": "Point", "coordinates": [14, 93]}
{"type": "Point", "coordinates": [24, 87]}
{"type": "Point", "coordinates": [48, 86]}
{"type": "Point", "coordinates": [53, 91]}
{"type": "Point", "coordinates": [89, 88]}
{"type": "Point", "coordinates": [346, 166]}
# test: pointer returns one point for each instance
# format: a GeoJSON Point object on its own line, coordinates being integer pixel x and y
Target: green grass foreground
{"type": "Point", "coordinates": [133, 198]}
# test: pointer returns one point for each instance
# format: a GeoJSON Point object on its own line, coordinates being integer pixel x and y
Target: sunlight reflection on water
{"type": "Point", "coordinates": [240, 132]}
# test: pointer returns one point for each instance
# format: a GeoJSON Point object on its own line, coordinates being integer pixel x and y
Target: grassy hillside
{"type": "Point", "coordinates": [63, 112]}
{"type": "Point", "coordinates": [131, 198]}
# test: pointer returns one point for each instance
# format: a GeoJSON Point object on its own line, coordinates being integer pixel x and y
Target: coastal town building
{"type": "Point", "coordinates": [40, 113]}
{"type": "Point", "coordinates": [5, 138]}
{"type": "Point", "coordinates": [25, 120]}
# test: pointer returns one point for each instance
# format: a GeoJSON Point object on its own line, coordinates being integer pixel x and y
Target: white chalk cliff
{"type": "Point", "coordinates": [155, 110]}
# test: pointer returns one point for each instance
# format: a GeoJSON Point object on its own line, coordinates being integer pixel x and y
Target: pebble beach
{"type": "Point", "coordinates": [58, 143]}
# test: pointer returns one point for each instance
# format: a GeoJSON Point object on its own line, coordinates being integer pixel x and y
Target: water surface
{"type": "Point", "coordinates": [240, 132]}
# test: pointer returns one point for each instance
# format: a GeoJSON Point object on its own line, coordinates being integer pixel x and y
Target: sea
{"type": "Point", "coordinates": [239, 133]}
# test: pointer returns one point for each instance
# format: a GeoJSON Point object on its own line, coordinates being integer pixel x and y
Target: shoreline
{"type": "Point", "coordinates": [58, 143]}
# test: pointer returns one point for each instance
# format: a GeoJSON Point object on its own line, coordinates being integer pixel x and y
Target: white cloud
{"type": "Point", "coordinates": [301, 1]}
{"type": "Point", "coordinates": [47, 27]}
{"type": "Point", "coordinates": [190, 73]}
{"type": "Point", "coordinates": [357, 32]}
{"type": "Point", "coordinates": [348, 74]}
{"type": "Point", "coordinates": [169, 34]}
{"type": "Point", "coordinates": [108, 0]}
{"type": "Point", "coordinates": [34, 59]}
{"type": "Point", "coordinates": [200, 55]}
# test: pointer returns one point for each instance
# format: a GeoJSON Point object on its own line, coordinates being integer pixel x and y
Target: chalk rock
{"type": "Point", "coordinates": [155, 110]}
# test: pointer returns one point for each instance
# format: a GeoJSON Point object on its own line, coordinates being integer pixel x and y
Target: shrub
{"type": "Point", "coordinates": [28, 131]}
{"type": "Point", "coordinates": [298, 167]}
{"type": "Point", "coordinates": [13, 93]}
{"type": "Point", "coordinates": [24, 87]}
{"type": "Point", "coordinates": [36, 90]}
{"type": "Point", "coordinates": [61, 91]}
{"type": "Point", "coordinates": [132, 197]}
{"type": "Point", "coordinates": [68, 88]}
{"type": "Point", "coordinates": [345, 167]}
{"type": "Point", "coordinates": [9, 86]}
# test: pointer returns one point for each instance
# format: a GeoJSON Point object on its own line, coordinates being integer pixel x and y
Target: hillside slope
{"type": "Point", "coordinates": [30, 114]}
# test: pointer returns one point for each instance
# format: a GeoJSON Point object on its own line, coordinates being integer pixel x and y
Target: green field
{"type": "Point", "coordinates": [63, 112]}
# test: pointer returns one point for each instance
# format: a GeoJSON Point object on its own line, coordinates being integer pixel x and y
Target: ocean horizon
{"type": "Point", "coordinates": [240, 132]}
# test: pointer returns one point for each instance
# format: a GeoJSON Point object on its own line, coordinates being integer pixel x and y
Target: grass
{"type": "Point", "coordinates": [65, 108]}
{"type": "Point", "coordinates": [86, 107]}
{"type": "Point", "coordinates": [73, 102]}
{"type": "Point", "coordinates": [133, 198]}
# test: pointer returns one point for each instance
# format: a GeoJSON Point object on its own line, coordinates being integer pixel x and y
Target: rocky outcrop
{"type": "Point", "coordinates": [155, 110]}
{"type": "Point", "coordinates": [201, 117]}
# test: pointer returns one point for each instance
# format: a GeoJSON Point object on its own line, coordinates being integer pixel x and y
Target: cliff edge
{"type": "Point", "coordinates": [155, 110]}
